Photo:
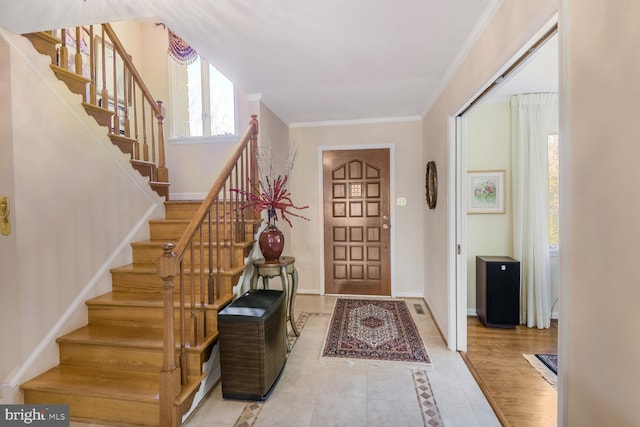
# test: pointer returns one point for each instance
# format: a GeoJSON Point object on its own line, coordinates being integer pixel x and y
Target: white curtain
{"type": "Point", "coordinates": [533, 117]}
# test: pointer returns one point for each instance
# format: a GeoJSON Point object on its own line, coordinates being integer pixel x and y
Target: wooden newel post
{"type": "Point", "coordinates": [170, 374]}
{"type": "Point", "coordinates": [163, 172]}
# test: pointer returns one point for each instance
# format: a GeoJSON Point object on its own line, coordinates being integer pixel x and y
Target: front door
{"type": "Point", "coordinates": [357, 255]}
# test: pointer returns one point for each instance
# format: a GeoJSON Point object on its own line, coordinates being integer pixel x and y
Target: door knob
{"type": "Point", "coordinates": [385, 226]}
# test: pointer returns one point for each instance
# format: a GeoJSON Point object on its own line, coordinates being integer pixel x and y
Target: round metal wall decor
{"type": "Point", "coordinates": [431, 184]}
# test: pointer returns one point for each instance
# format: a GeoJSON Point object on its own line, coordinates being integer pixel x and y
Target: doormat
{"type": "Point", "coordinates": [546, 365]}
{"type": "Point", "coordinates": [380, 330]}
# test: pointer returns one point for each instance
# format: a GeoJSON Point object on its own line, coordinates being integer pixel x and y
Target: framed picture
{"type": "Point", "coordinates": [486, 191]}
{"type": "Point", "coordinates": [70, 41]}
{"type": "Point", "coordinates": [119, 115]}
{"type": "Point", "coordinates": [122, 77]}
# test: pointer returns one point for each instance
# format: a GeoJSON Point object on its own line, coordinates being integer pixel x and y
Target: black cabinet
{"type": "Point", "coordinates": [498, 291]}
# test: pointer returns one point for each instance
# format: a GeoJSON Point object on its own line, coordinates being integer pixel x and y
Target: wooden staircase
{"type": "Point", "coordinates": [135, 126]}
{"type": "Point", "coordinates": [139, 360]}
{"type": "Point", "coordinates": [109, 369]}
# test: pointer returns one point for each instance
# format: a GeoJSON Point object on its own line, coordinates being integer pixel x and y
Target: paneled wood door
{"type": "Point", "coordinates": [357, 254]}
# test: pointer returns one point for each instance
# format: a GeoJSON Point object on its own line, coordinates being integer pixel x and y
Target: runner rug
{"type": "Point", "coordinates": [380, 330]}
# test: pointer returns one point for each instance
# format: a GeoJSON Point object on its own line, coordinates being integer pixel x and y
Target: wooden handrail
{"type": "Point", "coordinates": [162, 173]}
{"type": "Point", "coordinates": [180, 262]}
{"type": "Point", "coordinates": [200, 215]}
{"type": "Point", "coordinates": [119, 47]}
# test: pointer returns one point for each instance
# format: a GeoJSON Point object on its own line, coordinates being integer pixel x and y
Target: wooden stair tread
{"type": "Point", "coordinates": [124, 138]}
{"type": "Point", "coordinates": [115, 336]}
{"type": "Point", "coordinates": [184, 202]}
{"type": "Point", "coordinates": [187, 221]}
{"type": "Point", "coordinates": [159, 243]}
{"type": "Point", "coordinates": [147, 299]}
{"type": "Point", "coordinates": [69, 74]}
{"type": "Point", "coordinates": [146, 268]}
{"type": "Point", "coordinates": [137, 337]}
{"type": "Point", "coordinates": [142, 162]}
{"type": "Point", "coordinates": [141, 268]}
{"type": "Point", "coordinates": [118, 384]}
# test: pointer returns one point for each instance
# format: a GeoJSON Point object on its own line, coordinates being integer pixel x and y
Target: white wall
{"type": "Point", "coordinates": [76, 205]}
{"type": "Point", "coordinates": [599, 322]}
{"type": "Point", "coordinates": [488, 148]}
{"type": "Point", "coordinates": [514, 23]}
{"type": "Point", "coordinates": [408, 172]}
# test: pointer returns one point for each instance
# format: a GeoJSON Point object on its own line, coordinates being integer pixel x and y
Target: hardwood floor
{"type": "Point", "coordinates": [519, 396]}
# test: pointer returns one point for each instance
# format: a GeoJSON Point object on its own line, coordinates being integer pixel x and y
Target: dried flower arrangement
{"type": "Point", "coordinates": [272, 194]}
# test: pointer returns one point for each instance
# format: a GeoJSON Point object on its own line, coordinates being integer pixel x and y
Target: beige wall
{"type": "Point", "coordinates": [408, 172]}
{"type": "Point", "coordinates": [76, 205]}
{"type": "Point", "coordinates": [514, 23]}
{"type": "Point", "coordinates": [599, 322]}
{"type": "Point", "coordinates": [9, 291]}
{"type": "Point", "coordinates": [204, 159]}
{"type": "Point", "coordinates": [488, 148]}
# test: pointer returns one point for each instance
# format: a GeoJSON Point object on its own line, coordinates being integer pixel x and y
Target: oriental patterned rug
{"type": "Point", "coordinates": [546, 365]}
{"type": "Point", "coordinates": [550, 360]}
{"type": "Point", "coordinates": [426, 401]}
{"type": "Point", "coordinates": [371, 329]}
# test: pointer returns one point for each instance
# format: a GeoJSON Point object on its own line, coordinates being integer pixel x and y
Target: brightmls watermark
{"type": "Point", "coordinates": [34, 415]}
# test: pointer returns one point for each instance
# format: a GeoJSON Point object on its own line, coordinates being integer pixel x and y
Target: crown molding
{"type": "Point", "coordinates": [377, 120]}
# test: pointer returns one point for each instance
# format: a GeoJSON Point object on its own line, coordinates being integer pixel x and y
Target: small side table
{"type": "Point", "coordinates": [284, 267]}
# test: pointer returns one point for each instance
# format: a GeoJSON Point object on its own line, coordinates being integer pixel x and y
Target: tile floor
{"type": "Point", "coordinates": [317, 392]}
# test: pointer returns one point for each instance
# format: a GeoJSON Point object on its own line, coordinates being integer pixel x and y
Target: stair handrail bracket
{"type": "Point", "coordinates": [219, 230]}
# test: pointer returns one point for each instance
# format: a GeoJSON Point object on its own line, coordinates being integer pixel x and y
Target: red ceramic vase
{"type": "Point", "coordinates": [271, 243]}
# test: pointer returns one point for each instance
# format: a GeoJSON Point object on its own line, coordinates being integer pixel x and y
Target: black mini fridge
{"type": "Point", "coordinates": [498, 291]}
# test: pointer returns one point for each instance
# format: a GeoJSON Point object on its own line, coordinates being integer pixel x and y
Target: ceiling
{"type": "Point", "coordinates": [331, 60]}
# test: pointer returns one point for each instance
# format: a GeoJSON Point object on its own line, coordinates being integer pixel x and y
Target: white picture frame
{"type": "Point", "coordinates": [486, 192]}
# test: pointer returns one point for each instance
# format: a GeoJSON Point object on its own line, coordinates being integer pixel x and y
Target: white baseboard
{"type": "Point", "coordinates": [213, 369]}
{"type": "Point", "coordinates": [409, 295]}
{"type": "Point", "coordinates": [436, 321]}
{"type": "Point", "coordinates": [308, 292]}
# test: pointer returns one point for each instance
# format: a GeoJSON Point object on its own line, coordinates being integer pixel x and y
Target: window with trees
{"type": "Point", "coordinates": [203, 102]}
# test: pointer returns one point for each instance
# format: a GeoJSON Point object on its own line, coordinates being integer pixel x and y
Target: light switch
{"type": "Point", "coordinates": [401, 201]}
